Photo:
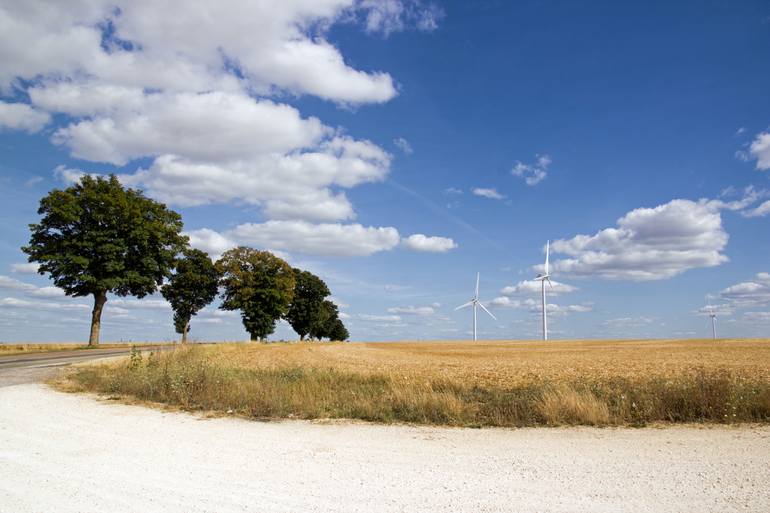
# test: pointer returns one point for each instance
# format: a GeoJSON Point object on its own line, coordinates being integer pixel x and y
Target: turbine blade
{"type": "Point", "coordinates": [549, 281]}
{"type": "Point", "coordinates": [477, 286]}
{"type": "Point", "coordinates": [547, 251]}
{"type": "Point", "coordinates": [469, 303]}
{"type": "Point", "coordinates": [485, 309]}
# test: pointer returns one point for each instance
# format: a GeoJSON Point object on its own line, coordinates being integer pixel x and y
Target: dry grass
{"type": "Point", "coordinates": [11, 349]}
{"type": "Point", "coordinates": [459, 383]}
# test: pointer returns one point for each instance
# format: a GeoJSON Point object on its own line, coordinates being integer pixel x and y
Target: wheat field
{"type": "Point", "coordinates": [486, 383]}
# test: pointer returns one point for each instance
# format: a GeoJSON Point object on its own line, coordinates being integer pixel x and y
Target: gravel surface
{"type": "Point", "coordinates": [70, 453]}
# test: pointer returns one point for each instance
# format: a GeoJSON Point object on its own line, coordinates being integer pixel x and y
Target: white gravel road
{"type": "Point", "coordinates": [68, 453]}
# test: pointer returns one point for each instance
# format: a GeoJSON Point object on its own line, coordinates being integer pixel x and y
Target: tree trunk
{"type": "Point", "coordinates": [185, 331]}
{"type": "Point", "coordinates": [96, 318]}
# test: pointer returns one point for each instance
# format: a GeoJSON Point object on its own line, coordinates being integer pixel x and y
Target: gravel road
{"type": "Point", "coordinates": [69, 453]}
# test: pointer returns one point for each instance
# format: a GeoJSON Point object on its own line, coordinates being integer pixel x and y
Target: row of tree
{"type": "Point", "coordinates": [98, 237]}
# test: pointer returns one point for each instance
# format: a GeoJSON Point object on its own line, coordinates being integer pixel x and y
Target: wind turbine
{"type": "Point", "coordinates": [713, 319]}
{"type": "Point", "coordinates": [542, 278]}
{"type": "Point", "coordinates": [474, 302]}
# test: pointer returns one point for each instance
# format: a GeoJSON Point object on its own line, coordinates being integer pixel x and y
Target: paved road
{"type": "Point", "coordinates": [33, 367]}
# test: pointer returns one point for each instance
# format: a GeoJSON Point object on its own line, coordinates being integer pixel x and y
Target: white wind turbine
{"type": "Point", "coordinates": [474, 302]}
{"type": "Point", "coordinates": [542, 278]}
{"type": "Point", "coordinates": [713, 318]}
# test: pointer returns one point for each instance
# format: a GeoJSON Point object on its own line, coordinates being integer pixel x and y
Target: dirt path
{"type": "Point", "coordinates": [68, 453]}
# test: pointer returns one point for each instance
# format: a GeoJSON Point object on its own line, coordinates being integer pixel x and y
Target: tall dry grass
{"type": "Point", "coordinates": [227, 379]}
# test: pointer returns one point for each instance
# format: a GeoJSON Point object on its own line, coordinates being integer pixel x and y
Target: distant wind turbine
{"type": "Point", "coordinates": [713, 319]}
{"type": "Point", "coordinates": [475, 302]}
{"type": "Point", "coordinates": [542, 278]}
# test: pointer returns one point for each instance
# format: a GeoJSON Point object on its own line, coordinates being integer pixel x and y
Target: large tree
{"type": "Point", "coordinates": [193, 285]}
{"type": "Point", "coordinates": [257, 283]}
{"type": "Point", "coordinates": [98, 237]}
{"type": "Point", "coordinates": [338, 331]}
{"type": "Point", "coordinates": [306, 307]}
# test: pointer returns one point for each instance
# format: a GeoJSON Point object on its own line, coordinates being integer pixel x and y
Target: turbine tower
{"type": "Point", "coordinates": [474, 302]}
{"type": "Point", "coordinates": [542, 278]}
{"type": "Point", "coordinates": [713, 319]}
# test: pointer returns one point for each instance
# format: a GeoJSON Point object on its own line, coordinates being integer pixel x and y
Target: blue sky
{"type": "Point", "coordinates": [397, 147]}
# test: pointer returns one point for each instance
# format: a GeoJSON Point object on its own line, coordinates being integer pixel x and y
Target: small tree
{"type": "Point", "coordinates": [97, 237]}
{"type": "Point", "coordinates": [324, 322]}
{"type": "Point", "coordinates": [257, 283]}
{"type": "Point", "coordinates": [193, 285]}
{"type": "Point", "coordinates": [306, 307]}
{"type": "Point", "coordinates": [338, 331]}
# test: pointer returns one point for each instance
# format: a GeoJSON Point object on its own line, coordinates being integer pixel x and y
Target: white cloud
{"type": "Point", "coordinates": [534, 306]}
{"type": "Point", "coordinates": [755, 292]}
{"type": "Point", "coordinates": [273, 45]}
{"type": "Point", "coordinates": [210, 241]}
{"type": "Point", "coordinates": [379, 318]}
{"type": "Point", "coordinates": [420, 242]}
{"type": "Point", "coordinates": [532, 173]}
{"type": "Point", "coordinates": [388, 16]}
{"type": "Point", "coordinates": [19, 116]}
{"type": "Point", "coordinates": [422, 311]}
{"type": "Point", "coordinates": [534, 287]}
{"type": "Point", "coordinates": [25, 268]}
{"type": "Point", "coordinates": [627, 322]}
{"type": "Point", "coordinates": [10, 302]}
{"type": "Point", "coordinates": [316, 239]}
{"type": "Point", "coordinates": [8, 283]}
{"type": "Point", "coordinates": [760, 150]}
{"type": "Point", "coordinates": [403, 145]}
{"type": "Point", "coordinates": [189, 88]}
{"type": "Point", "coordinates": [757, 317]}
{"type": "Point", "coordinates": [487, 193]}
{"type": "Point", "coordinates": [452, 191]}
{"type": "Point", "coordinates": [649, 243]}
{"type": "Point", "coordinates": [760, 211]}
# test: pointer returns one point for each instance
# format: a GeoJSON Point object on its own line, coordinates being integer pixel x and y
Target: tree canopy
{"type": "Point", "coordinates": [257, 283]}
{"type": "Point", "coordinates": [306, 306]}
{"type": "Point", "coordinates": [97, 237]}
{"type": "Point", "coordinates": [193, 285]}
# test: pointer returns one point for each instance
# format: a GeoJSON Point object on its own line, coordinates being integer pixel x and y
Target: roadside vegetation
{"type": "Point", "coordinates": [7, 349]}
{"type": "Point", "coordinates": [457, 384]}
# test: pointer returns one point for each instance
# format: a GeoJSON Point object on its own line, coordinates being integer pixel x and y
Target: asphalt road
{"type": "Point", "coordinates": [34, 367]}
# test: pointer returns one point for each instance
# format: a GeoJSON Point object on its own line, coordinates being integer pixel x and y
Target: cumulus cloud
{"type": "Point", "coordinates": [420, 242]}
{"type": "Point", "coordinates": [532, 173]}
{"type": "Point", "coordinates": [487, 193]}
{"type": "Point", "coordinates": [760, 211]}
{"type": "Point", "coordinates": [760, 150]}
{"type": "Point", "coordinates": [11, 302]}
{"type": "Point", "coordinates": [327, 239]}
{"type": "Point", "coordinates": [379, 318]}
{"type": "Point", "coordinates": [649, 243]}
{"type": "Point", "coordinates": [627, 322]}
{"type": "Point", "coordinates": [189, 89]}
{"type": "Point", "coordinates": [533, 287]}
{"type": "Point", "coordinates": [19, 116]}
{"type": "Point", "coordinates": [752, 293]}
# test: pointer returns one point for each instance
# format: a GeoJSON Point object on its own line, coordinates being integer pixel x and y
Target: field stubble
{"type": "Point", "coordinates": [457, 383]}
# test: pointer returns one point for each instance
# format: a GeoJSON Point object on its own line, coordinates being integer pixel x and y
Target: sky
{"type": "Point", "coordinates": [398, 147]}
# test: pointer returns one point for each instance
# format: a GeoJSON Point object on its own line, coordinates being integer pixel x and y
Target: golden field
{"type": "Point", "coordinates": [511, 363]}
{"type": "Point", "coordinates": [491, 383]}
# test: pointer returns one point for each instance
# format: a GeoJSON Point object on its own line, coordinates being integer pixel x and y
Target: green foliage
{"type": "Point", "coordinates": [326, 322]}
{"type": "Point", "coordinates": [193, 285]}
{"type": "Point", "coordinates": [97, 236]}
{"type": "Point", "coordinates": [338, 331]}
{"type": "Point", "coordinates": [257, 283]}
{"type": "Point", "coordinates": [307, 305]}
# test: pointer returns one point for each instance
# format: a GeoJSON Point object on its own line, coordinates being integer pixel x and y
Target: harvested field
{"type": "Point", "coordinates": [457, 383]}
